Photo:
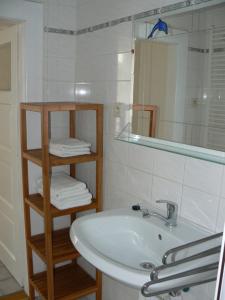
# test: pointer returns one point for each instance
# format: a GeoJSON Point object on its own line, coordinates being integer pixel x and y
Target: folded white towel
{"type": "Point", "coordinates": [62, 185]}
{"type": "Point", "coordinates": [69, 150]}
{"type": "Point", "coordinates": [70, 202]}
{"type": "Point", "coordinates": [65, 191]}
{"type": "Point", "coordinates": [69, 153]}
{"type": "Point", "coordinates": [69, 143]}
{"type": "Point", "coordinates": [69, 147]}
{"type": "Point", "coordinates": [66, 195]}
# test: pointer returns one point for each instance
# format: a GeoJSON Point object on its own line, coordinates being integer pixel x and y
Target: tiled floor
{"type": "Point", "coordinates": [8, 284]}
{"type": "Point", "coordinates": [15, 296]}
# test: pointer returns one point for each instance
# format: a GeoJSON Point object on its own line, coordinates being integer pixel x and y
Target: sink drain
{"type": "Point", "coordinates": [147, 265]}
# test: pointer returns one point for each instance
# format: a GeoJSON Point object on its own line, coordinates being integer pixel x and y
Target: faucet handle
{"type": "Point", "coordinates": [172, 207]}
{"type": "Point", "coordinates": [167, 202]}
{"type": "Point", "coordinates": [137, 207]}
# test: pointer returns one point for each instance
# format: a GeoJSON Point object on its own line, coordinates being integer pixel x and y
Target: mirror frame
{"type": "Point", "coordinates": [125, 135]}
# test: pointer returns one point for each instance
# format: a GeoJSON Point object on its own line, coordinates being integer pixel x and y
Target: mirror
{"type": "Point", "coordinates": [179, 79]}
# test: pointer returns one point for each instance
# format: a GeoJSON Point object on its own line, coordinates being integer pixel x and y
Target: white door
{"type": "Point", "coordinates": [10, 197]}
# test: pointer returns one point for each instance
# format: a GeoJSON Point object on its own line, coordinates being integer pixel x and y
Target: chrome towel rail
{"type": "Point", "coordinates": [189, 245]}
{"type": "Point", "coordinates": [146, 292]}
{"type": "Point", "coordinates": [154, 274]}
{"type": "Point", "coordinates": [210, 267]}
{"type": "Point", "coordinates": [179, 287]}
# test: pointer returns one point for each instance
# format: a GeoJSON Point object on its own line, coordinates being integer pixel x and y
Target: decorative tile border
{"type": "Point", "coordinates": [145, 14]}
{"type": "Point", "coordinates": [218, 50]}
{"type": "Point", "coordinates": [60, 31]}
{"type": "Point", "coordinates": [199, 50]}
{"type": "Point", "coordinates": [37, 1]}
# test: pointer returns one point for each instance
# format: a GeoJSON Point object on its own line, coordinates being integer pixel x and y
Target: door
{"type": "Point", "coordinates": [10, 197]}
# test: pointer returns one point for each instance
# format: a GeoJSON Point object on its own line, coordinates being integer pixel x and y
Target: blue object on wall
{"type": "Point", "coordinates": [160, 26]}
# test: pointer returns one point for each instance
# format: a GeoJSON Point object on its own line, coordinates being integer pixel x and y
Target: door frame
{"type": "Point", "coordinates": [21, 97]}
{"type": "Point", "coordinates": [18, 208]}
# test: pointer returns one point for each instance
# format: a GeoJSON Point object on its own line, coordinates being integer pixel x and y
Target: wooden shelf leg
{"type": "Point", "coordinates": [46, 170]}
{"type": "Point", "coordinates": [99, 285]}
{"type": "Point", "coordinates": [29, 251]}
{"type": "Point", "coordinates": [99, 170]}
{"type": "Point", "coordinates": [72, 133]}
{"type": "Point", "coordinates": [25, 179]}
{"type": "Point", "coordinates": [99, 162]}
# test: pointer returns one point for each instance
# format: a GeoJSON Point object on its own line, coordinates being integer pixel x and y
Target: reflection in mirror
{"type": "Point", "coordinates": [5, 67]}
{"type": "Point", "coordinates": [179, 79]}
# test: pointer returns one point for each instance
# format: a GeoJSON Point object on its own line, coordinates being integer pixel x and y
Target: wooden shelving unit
{"type": "Point", "coordinates": [70, 281]}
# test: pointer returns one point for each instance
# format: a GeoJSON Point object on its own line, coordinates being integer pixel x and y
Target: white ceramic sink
{"type": "Point", "coordinates": [118, 241]}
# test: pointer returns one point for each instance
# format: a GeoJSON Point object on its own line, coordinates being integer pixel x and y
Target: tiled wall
{"type": "Point", "coordinates": [59, 51]}
{"type": "Point", "coordinates": [134, 173]}
{"type": "Point", "coordinates": [59, 58]}
{"type": "Point", "coordinates": [58, 85]}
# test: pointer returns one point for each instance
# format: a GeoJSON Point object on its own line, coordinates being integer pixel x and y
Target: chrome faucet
{"type": "Point", "coordinates": [170, 219]}
{"type": "Point", "coordinates": [172, 209]}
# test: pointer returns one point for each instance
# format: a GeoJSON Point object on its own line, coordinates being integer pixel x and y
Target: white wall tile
{"type": "Point", "coordinates": [200, 207]}
{"type": "Point", "coordinates": [204, 176]}
{"type": "Point", "coordinates": [119, 199]}
{"type": "Point", "coordinates": [141, 158]}
{"type": "Point", "coordinates": [104, 67]}
{"type": "Point", "coordinates": [223, 184]}
{"type": "Point", "coordinates": [59, 91]}
{"type": "Point", "coordinates": [59, 46]}
{"type": "Point", "coordinates": [113, 290]}
{"type": "Point", "coordinates": [118, 174]}
{"type": "Point", "coordinates": [66, 17]}
{"type": "Point", "coordinates": [91, 92]}
{"type": "Point", "coordinates": [60, 16]}
{"type": "Point", "coordinates": [169, 166]}
{"type": "Point", "coordinates": [117, 151]}
{"type": "Point", "coordinates": [163, 189]}
{"type": "Point", "coordinates": [60, 69]}
{"type": "Point", "coordinates": [106, 41]}
{"type": "Point", "coordinates": [51, 12]}
{"type": "Point", "coordinates": [66, 2]}
{"type": "Point", "coordinates": [221, 215]}
{"type": "Point", "coordinates": [139, 184]}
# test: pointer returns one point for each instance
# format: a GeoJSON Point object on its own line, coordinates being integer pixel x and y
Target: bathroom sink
{"type": "Point", "coordinates": [126, 246]}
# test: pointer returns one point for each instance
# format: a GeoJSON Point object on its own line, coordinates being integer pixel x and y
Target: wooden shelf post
{"type": "Point", "coordinates": [46, 196]}
{"type": "Point", "coordinates": [25, 180]}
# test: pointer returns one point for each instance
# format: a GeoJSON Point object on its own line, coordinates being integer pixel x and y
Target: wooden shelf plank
{"type": "Point", "coordinates": [62, 246]}
{"type": "Point", "coordinates": [35, 155]}
{"type": "Point", "coordinates": [70, 282]}
{"type": "Point", "coordinates": [37, 203]}
{"type": "Point", "coordinates": [59, 106]}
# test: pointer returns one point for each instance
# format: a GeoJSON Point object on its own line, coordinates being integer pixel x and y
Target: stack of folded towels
{"type": "Point", "coordinates": [66, 191]}
{"type": "Point", "coordinates": [69, 147]}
